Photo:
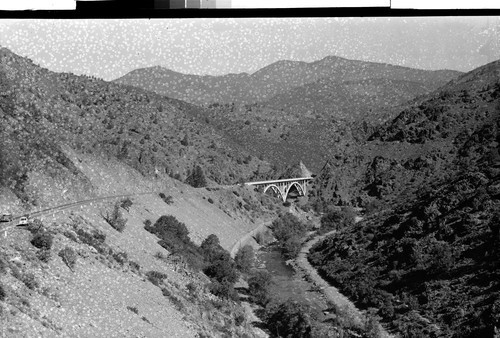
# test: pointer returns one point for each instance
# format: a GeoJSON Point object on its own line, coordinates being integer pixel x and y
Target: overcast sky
{"type": "Point", "coordinates": [111, 48]}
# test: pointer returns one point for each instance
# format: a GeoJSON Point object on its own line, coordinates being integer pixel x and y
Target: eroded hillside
{"type": "Point", "coordinates": [94, 280]}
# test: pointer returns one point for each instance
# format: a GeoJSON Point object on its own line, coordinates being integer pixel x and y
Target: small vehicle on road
{"type": "Point", "coordinates": [6, 217]}
{"type": "Point", "coordinates": [23, 220]}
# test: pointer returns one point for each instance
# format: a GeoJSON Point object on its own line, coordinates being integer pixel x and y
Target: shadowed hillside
{"type": "Point", "coordinates": [426, 256]}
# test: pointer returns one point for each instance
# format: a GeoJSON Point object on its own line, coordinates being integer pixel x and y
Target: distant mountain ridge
{"type": "Point", "coordinates": [272, 80]}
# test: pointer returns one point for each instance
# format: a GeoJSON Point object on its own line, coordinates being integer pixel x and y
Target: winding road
{"type": "Point", "coordinates": [59, 208]}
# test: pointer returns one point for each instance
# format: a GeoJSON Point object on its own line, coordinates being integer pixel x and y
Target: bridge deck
{"type": "Point", "coordinates": [279, 181]}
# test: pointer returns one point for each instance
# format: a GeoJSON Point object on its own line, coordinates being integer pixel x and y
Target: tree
{"type": "Point", "coordinates": [197, 178]}
{"type": "Point", "coordinates": [335, 220]}
{"type": "Point", "coordinates": [116, 219]}
{"type": "Point", "coordinates": [245, 258]}
{"type": "Point", "coordinates": [258, 287]}
{"type": "Point", "coordinates": [211, 248]}
{"type": "Point", "coordinates": [291, 319]}
{"type": "Point", "coordinates": [168, 226]}
{"type": "Point", "coordinates": [222, 268]}
{"type": "Point", "coordinates": [289, 233]}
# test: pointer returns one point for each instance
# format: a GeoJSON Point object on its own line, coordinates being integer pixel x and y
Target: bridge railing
{"type": "Point", "coordinates": [280, 181]}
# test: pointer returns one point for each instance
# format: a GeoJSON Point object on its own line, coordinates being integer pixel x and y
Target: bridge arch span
{"type": "Point", "coordinates": [276, 190]}
{"type": "Point", "coordinates": [297, 186]}
{"type": "Point", "coordinates": [282, 186]}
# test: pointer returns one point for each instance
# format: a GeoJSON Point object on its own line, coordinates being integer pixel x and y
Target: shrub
{"type": "Point", "coordinates": [3, 266]}
{"type": "Point", "coordinates": [258, 287]}
{"type": "Point", "coordinates": [223, 289]}
{"type": "Point", "coordinates": [239, 319]}
{"type": "Point", "coordinates": [261, 237]}
{"type": "Point", "coordinates": [120, 257]}
{"type": "Point", "coordinates": [69, 257]}
{"type": "Point", "coordinates": [134, 265]}
{"type": "Point", "coordinates": [36, 226]}
{"type": "Point", "coordinates": [42, 240]}
{"type": "Point", "coordinates": [287, 204]}
{"type": "Point", "coordinates": [147, 223]}
{"type": "Point", "coordinates": [133, 309]}
{"type": "Point", "coordinates": [94, 239]}
{"type": "Point", "coordinates": [167, 199]}
{"type": "Point", "coordinates": [3, 293]}
{"type": "Point", "coordinates": [126, 204]}
{"type": "Point", "coordinates": [71, 235]}
{"type": "Point", "coordinates": [191, 287]}
{"type": "Point", "coordinates": [185, 141]}
{"type": "Point", "coordinates": [335, 220]}
{"type": "Point", "coordinates": [156, 277]}
{"type": "Point", "coordinates": [159, 255]}
{"type": "Point", "coordinates": [211, 201]}
{"type": "Point", "coordinates": [44, 255]}
{"type": "Point", "coordinates": [30, 281]}
{"type": "Point", "coordinates": [115, 219]}
{"type": "Point", "coordinates": [245, 258]}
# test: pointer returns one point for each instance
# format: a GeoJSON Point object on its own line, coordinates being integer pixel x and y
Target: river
{"type": "Point", "coordinates": [287, 284]}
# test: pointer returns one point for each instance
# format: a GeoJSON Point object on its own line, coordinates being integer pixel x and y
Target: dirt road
{"type": "Point", "coordinates": [302, 266]}
{"type": "Point", "coordinates": [62, 207]}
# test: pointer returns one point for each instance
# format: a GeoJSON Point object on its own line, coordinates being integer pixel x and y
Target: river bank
{"type": "Point", "coordinates": [305, 270]}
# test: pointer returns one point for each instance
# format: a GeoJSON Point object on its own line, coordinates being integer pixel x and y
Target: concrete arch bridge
{"type": "Point", "coordinates": [282, 187]}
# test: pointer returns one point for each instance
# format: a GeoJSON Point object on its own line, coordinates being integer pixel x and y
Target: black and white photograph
{"type": "Point", "coordinates": [250, 176]}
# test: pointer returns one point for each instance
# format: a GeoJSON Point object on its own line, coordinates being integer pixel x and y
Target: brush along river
{"type": "Point", "coordinates": [298, 280]}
